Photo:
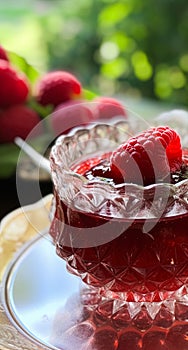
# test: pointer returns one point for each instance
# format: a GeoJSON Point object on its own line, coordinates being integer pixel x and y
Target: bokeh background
{"type": "Point", "coordinates": [131, 49]}
{"type": "Point", "coordinates": [128, 47]}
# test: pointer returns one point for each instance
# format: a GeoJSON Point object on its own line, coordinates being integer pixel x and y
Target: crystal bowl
{"type": "Point", "coordinates": [128, 241]}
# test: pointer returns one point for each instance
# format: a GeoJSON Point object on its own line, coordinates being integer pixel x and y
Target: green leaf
{"type": "Point", "coordinates": [8, 159]}
{"type": "Point", "coordinates": [23, 66]}
{"type": "Point", "coordinates": [43, 111]}
{"type": "Point", "coordinates": [88, 95]}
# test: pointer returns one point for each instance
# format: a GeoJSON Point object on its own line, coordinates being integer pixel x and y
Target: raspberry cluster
{"type": "Point", "coordinates": [21, 104]}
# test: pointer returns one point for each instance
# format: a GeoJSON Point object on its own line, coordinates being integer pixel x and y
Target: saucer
{"type": "Point", "coordinates": [35, 286]}
{"type": "Point", "coordinates": [19, 230]}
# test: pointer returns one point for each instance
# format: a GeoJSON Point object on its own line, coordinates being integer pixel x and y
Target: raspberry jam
{"type": "Point", "coordinates": [122, 238]}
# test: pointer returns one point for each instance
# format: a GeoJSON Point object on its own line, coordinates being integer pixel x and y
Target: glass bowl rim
{"type": "Point", "coordinates": [172, 187]}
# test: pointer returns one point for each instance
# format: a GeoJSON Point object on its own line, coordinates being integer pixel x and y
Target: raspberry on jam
{"type": "Point", "coordinates": [149, 157]}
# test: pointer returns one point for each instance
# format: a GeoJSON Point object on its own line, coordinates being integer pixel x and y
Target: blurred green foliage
{"type": "Point", "coordinates": [130, 46]}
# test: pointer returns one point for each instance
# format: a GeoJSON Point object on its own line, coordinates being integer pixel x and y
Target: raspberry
{"type": "Point", "coordinates": [107, 108]}
{"type": "Point", "coordinates": [69, 115]}
{"type": "Point", "coordinates": [3, 54]}
{"type": "Point", "coordinates": [14, 88]}
{"type": "Point", "coordinates": [149, 157]}
{"type": "Point", "coordinates": [18, 120]}
{"type": "Point", "coordinates": [57, 87]}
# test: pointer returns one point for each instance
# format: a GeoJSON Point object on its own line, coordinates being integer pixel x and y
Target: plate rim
{"type": "Point", "coordinates": [4, 295]}
{"type": "Point", "coordinates": [18, 245]}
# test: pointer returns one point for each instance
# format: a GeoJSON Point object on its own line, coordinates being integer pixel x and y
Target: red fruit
{"type": "Point", "coordinates": [3, 54]}
{"type": "Point", "coordinates": [149, 157]}
{"type": "Point", "coordinates": [18, 120]}
{"type": "Point", "coordinates": [14, 88]}
{"type": "Point", "coordinates": [107, 107]}
{"type": "Point", "coordinates": [57, 87]}
{"type": "Point", "coordinates": [69, 115]}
